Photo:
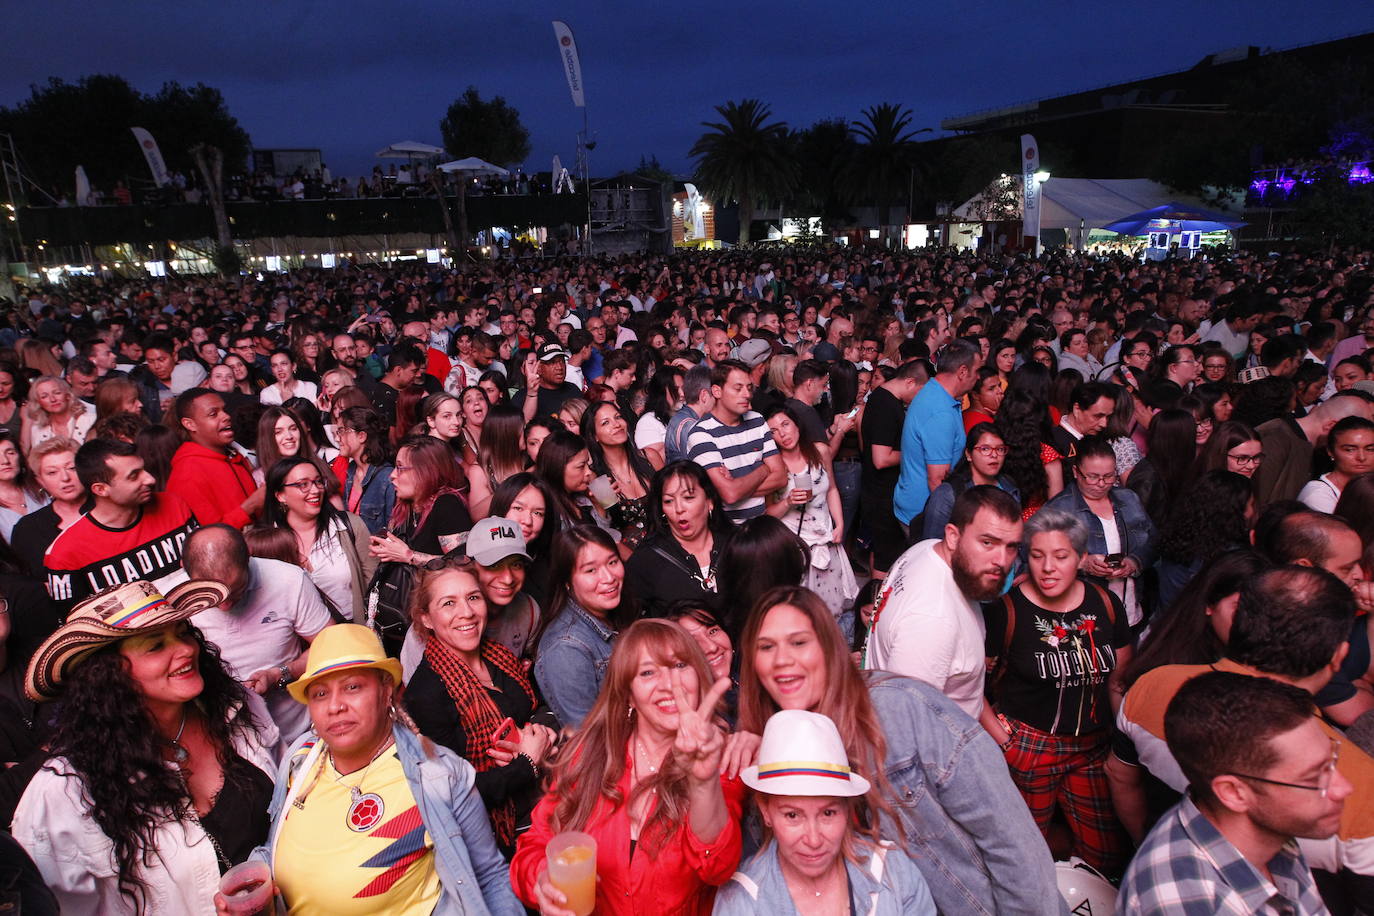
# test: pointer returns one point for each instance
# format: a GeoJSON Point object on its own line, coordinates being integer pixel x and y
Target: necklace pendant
{"type": "Point", "coordinates": [179, 753]}
{"type": "Point", "coordinates": [365, 812]}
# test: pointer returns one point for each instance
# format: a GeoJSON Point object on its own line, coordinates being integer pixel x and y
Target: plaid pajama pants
{"type": "Point", "coordinates": [1062, 770]}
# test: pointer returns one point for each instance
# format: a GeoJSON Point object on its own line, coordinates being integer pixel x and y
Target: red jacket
{"type": "Point", "coordinates": [212, 483]}
{"type": "Point", "coordinates": [680, 879]}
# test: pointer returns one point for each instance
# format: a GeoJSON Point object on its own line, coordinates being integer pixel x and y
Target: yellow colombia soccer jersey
{"type": "Point", "coordinates": [337, 858]}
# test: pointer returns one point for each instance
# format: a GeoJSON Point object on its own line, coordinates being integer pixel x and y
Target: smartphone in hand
{"type": "Point", "coordinates": [503, 730]}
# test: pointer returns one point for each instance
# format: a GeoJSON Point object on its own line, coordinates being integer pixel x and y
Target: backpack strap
{"type": "Point", "coordinates": [1107, 600]}
{"type": "Point", "coordinates": [1001, 664]}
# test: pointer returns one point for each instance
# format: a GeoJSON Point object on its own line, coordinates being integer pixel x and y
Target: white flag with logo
{"type": "Point", "coordinates": [83, 188]}
{"type": "Point", "coordinates": [1030, 190]}
{"type": "Point", "coordinates": [152, 154]}
{"type": "Point", "coordinates": [572, 65]}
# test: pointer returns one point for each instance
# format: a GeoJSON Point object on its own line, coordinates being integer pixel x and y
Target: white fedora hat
{"type": "Point", "coordinates": [802, 754]}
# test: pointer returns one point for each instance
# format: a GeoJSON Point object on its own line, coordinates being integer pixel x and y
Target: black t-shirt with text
{"type": "Point", "coordinates": [1054, 675]}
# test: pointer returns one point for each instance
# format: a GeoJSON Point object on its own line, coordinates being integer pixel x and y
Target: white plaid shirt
{"type": "Point", "coordinates": [1186, 867]}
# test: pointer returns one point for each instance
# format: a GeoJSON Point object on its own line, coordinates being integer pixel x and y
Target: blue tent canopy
{"type": "Point", "coordinates": [1178, 216]}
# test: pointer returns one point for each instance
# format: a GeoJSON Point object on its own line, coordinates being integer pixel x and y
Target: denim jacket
{"type": "Point", "coordinates": [967, 827]}
{"type": "Point", "coordinates": [379, 495]}
{"type": "Point", "coordinates": [571, 661]}
{"type": "Point", "coordinates": [1139, 538]}
{"type": "Point", "coordinates": [472, 872]}
{"type": "Point", "coordinates": [884, 883]}
{"type": "Point", "coordinates": [941, 503]}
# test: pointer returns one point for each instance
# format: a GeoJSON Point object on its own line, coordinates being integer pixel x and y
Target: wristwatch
{"type": "Point", "coordinates": [285, 678]}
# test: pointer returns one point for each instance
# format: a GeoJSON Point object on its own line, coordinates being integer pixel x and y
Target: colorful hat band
{"type": "Point", "coordinates": [803, 768]}
{"type": "Point", "coordinates": [128, 615]}
{"type": "Point", "coordinates": [346, 663]}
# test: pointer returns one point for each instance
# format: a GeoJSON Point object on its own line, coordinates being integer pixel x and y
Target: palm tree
{"type": "Point", "coordinates": [882, 164]}
{"type": "Point", "coordinates": [744, 158]}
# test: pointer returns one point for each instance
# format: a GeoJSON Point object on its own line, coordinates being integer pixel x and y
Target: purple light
{"type": "Point", "coordinates": [1260, 185]}
{"type": "Point", "coordinates": [1360, 174]}
{"type": "Point", "coordinates": [1286, 184]}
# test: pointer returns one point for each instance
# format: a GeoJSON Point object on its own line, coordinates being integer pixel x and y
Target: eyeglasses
{"type": "Point", "coordinates": [1097, 478]}
{"type": "Point", "coordinates": [990, 449]}
{"type": "Point", "coordinates": [1323, 779]}
{"type": "Point", "coordinates": [1246, 459]}
{"type": "Point", "coordinates": [305, 486]}
{"type": "Point", "coordinates": [401, 468]}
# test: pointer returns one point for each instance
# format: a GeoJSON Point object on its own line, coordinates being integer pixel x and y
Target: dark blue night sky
{"type": "Point", "coordinates": [351, 77]}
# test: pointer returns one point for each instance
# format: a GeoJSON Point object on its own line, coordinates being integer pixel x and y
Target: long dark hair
{"type": "Point", "coordinates": [1182, 634]}
{"type": "Point", "coordinates": [659, 391]}
{"type": "Point", "coordinates": [274, 513]}
{"type": "Point", "coordinates": [762, 554]}
{"type": "Point", "coordinates": [366, 420]}
{"type": "Point", "coordinates": [1207, 519]}
{"type": "Point", "coordinates": [717, 521]}
{"type": "Point", "coordinates": [1171, 446]}
{"type": "Point", "coordinates": [555, 453]}
{"type": "Point", "coordinates": [105, 732]}
{"type": "Point", "coordinates": [1225, 436]}
{"type": "Point", "coordinates": [1023, 422]}
{"type": "Point", "coordinates": [505, 493]}
{"type": "Point", "coordinates": [638, 463]}
{"type": "Point", "coordinates": [563, 561]}
{"type": "Point", "coordinates": [810, 454]}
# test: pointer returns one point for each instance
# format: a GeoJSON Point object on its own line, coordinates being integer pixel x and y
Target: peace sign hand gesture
{"type": "Point", "coordinates": [700, 742]}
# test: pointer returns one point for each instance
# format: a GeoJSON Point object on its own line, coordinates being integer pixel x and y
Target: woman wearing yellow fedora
{"type": "Point", "coordinates": [159, 777]}
{"type": "Point", "coordinates": [815, 860]}
{"type": "Point", "coordinates": [368, 817]}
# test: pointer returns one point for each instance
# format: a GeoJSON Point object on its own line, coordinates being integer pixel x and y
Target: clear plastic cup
{"type": "Point", "coordinates": [247, 888]}
{"type": "Point", "coordinates": [572, 869]}
{"type": "Point", "coordinates": [603, 491]}
{"type": "Point", "coordinates": [801, 480]}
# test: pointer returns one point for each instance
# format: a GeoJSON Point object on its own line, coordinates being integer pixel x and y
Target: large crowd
{"type": "Point", "coordinates": [818, 581]}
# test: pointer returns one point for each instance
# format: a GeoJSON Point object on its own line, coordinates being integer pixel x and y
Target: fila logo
{"type": "Point", "coordinates": [499, 532]}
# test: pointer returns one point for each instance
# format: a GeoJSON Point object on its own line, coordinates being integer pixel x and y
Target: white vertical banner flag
{"type": "Point", "coordinates": [152, 154]}
{"type": "Point", "coordinates": [83, 188]}
{"type": "Point", "coordinates": [1030, 190]}
{"type": "Point", "coordinates": [572, 65]}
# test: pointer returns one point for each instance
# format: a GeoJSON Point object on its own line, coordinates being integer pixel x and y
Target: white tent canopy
{"type": "Point", "coordinates": [409, 149]}
{"type": "Point", "coordinates": [474, 166]}
{"type": "Point", "coordinates": [1068, 203]}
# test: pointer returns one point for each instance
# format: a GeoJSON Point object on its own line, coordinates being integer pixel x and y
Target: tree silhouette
{"type": "Point", "coordinates": [823, 152]}
{"type": "Point", "coordinates": [62, 125]}
{"type": "Point", "coordinates": [880, 169]}
{"type": "Point", "coordinates": [489, 130]}
{"type": "Point", "coordinates": [744, 157]}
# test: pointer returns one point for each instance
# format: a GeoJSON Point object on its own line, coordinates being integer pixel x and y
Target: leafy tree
{"type": "Point", "coordinates": [62, 125]}
{"type": "Point", "coordinates": [652, 168]}
{"type": "Point", "coordinates": [1336, 212]}
{"type": "Point", "coordinates": [744, 157]}
{"type": "Point", "coordinates": [881, 167]}
{"type": "Point", "coordinates": [823, 152]}
{"type": "Point", "coordinates": [489, 130]}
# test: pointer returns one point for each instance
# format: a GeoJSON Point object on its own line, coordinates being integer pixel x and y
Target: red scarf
{"type": "Point", "coordinates": [478, 714]}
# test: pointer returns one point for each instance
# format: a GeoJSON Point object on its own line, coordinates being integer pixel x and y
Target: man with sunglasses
{"type": "Point", "coordinates": [1291, 625]}
{"type": "Point", "coordinates": [1261, 772]}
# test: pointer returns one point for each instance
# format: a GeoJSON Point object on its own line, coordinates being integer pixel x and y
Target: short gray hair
{"type": "Point", "coordinates": [1049, 520]}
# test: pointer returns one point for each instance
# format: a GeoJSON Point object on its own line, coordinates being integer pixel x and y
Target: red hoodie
{"type": "Point", "coordinates": [212, 483]}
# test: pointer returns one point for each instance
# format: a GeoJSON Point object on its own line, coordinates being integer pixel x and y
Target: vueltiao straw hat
{"type": "Point", "coordinates": [117, 613]}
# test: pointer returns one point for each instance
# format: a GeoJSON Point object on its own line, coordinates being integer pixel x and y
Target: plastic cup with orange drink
{"type": "Point", "coordinates": [572, 869]}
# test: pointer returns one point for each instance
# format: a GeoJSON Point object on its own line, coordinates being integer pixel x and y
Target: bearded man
{"type": "Point", "coordinates": [927, 623]}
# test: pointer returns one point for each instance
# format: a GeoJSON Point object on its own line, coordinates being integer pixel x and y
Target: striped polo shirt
{"type": "Point", "coordinates": [739, 449]}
